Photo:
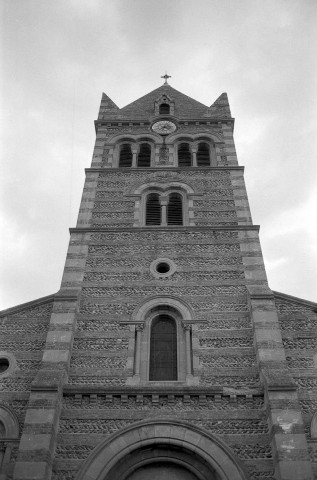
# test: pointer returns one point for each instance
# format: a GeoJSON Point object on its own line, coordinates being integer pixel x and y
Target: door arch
{"type": "Point", "coordinates": [151, 445]}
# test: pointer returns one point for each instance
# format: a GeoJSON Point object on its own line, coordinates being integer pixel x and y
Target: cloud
{"type": "Point", "coordinates": [58, 58]}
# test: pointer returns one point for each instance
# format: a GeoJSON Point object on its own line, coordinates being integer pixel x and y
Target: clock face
{"type": "Point", "coordinates": [164, 127]}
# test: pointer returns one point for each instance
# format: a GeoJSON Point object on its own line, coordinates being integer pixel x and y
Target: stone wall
{"type": "Point", "coordinates": [23, 334]}
{"type": "Point", "coordinates": [238, 420]}
{"type": "Point", "coordinates": [298, 321]}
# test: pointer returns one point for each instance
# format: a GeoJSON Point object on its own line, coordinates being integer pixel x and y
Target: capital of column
{"type": "Point", "coordinates": [134, 148]}
{"type": "Point", "coordinates": [186, 326]}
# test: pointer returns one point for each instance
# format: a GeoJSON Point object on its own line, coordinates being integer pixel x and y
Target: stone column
{"type": "Point", "coordinates": [164, 202]}
{"type": "Point", "coordinates": [138, 329]}
{"type": "Point", "coordinates": [194, 152]}
{"type": "Point", "coordinates": [188, 350]}
{"type": "Point", "coordinates": [218, 152]}
{"type": "Point", "coordinates": [134, 149]}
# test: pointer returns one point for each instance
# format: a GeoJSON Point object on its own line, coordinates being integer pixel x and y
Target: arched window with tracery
{"type": "Point", "coordinates": [144, 155]}
{"type": "Point", "coordinates": [203, 155]}
{"type": "Point", "coordinates": [153, 214]}
{"type": "Point", "coordinates": [164, 109]}
{"type": "Point", "coordinates": [125, 159]}
{"type": "Point", "coordinates": [175, 209]}
{"type": "Point", "coordinates": [184, 155]}
{"type": "Point", "coordinates": [163, 349]}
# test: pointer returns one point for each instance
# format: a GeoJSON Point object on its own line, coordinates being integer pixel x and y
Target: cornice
{"type": "Point", "coordinates": [23, 306]}
{"type": "Point", "coordinates": [148, 121]}
{"type": "Point", "coordinates": [291, 298]}
{"type": "Point", "coordinates": [173, 389]}
{"type": "Point", "coordinates": [161, 169]}
{"type": "Point", "coordinates": [165, 229]}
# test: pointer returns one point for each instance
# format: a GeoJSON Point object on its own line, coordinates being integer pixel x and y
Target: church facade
{"type": "Point", "coordinates": [165, 352]}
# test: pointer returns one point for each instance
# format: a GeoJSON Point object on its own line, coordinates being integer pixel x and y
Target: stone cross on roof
{"type": "Point", "coordinates": [166, 77]}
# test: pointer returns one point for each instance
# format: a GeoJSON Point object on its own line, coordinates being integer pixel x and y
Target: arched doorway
{"type": "Point", "coordinates": [158, 449]}
{"type": "Point", "coordinates": [160, 470]}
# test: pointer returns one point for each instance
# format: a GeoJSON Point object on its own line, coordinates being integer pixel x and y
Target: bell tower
{"type": "Point", "coordinates": [165, 350]}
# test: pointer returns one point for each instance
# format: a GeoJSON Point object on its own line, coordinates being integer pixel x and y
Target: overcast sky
{"type": "Point", "coordinates": [60, 55]}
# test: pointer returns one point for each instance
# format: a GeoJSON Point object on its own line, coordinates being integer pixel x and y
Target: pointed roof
{"type": "Point", "coordinates": [221, 106]}
{"type": "Point", "coordinates": [107, 106]}
{"type": "Point", "coordinates": [185, 107]}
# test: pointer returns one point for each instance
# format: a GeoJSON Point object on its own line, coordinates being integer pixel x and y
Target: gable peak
{"type": "Point", "coordinates": [221, 105]}
{"type": "Point", "coordinates": [107, 103]}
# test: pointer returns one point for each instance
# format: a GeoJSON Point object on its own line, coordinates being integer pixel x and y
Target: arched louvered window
{"type": "Point", "coordinates": [163, 349]}
{"type": "Point", "coordinates": [125, 159]}
{"type": "Point", "coordinates": [153, 210]}
{"type": "Point", "coordinates": [144, 156]}
{"type": "Point", "coordinates": [203, 155]}
{"type": "Point", "coordinates": [184, 155]}
{"type": "Point", "coordinates": [175, 210]}
{"type": "Point", "coordinates": [164, 108]}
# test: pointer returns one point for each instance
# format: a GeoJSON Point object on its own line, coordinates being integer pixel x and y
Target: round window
{"type": "Point", "coordinates": [162, 267]}
{"type": "Point", "coordinates": [4, 364]}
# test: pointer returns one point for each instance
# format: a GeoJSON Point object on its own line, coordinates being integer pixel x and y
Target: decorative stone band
{"type": "Point", "coordinates": [199, 393]}
{"type": "Point", "coordinates": [153, 169]}
{"type": "Point", "coordinates": [169, 229]}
